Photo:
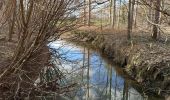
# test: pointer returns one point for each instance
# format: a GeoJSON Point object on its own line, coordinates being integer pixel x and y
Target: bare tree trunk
{"type": "Point", "coordinates": [123, 12]}
{"type": "Point", "coordinates": [89, 17]}
{"type": "Point", "coordinates": [132, 13]}
{"type": "Point", "coordinates": [150, 12]}
{"type": "Point", "coordinates": [136, 14]}
{"type": "Point", "coordinates": [119, 16]}
{"type": "Point", "coordinates": [130, 18]}
{"type": "Point", "coordinates": [114, 14]}
{"type": "Point", "coordinates": [12, 23]}
{"type": "Point", "coordinates": [160, 16]}
{"type": "Point", "coordinates": [123, 15]}
{"type": "Point", "coordinates": [157, 17]}
{"type": "Point", "coordinates": [84, 17]}
{"type": "Point", "coordinates": [101, 20]}
{"type": "Point", "coordinates": [1, 5]}
{"type": "Point", "coordinates": [129, 21]}
{"type": "Point", "coordinates": [110, 19]}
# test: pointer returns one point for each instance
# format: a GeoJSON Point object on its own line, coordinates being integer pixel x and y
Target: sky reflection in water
{"type": "Point", "coordinates": [101, 74]}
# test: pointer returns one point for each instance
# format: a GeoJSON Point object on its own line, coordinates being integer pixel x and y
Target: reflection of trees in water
{"type": "Point", "coordinates": [110, 88]}
{"type": "Point", "coordinates": [97, 79]}
{"type": "Point", "coordinates": [115, 85]}
{"type": "Point", "coordinates": [88, 76]}
{"type": "Point", "coordinates": [84, 58]}
{"type": "Point", "coordinates": [125, 91]}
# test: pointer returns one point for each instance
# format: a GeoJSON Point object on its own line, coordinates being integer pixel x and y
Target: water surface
{"type": "Point", "coordinates": [97, 78]}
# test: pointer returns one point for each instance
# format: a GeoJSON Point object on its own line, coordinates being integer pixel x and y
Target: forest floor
{"type": "Point", "coordinates": [146, 60]}
{"type": "Point", "coordinates": [30, 68]}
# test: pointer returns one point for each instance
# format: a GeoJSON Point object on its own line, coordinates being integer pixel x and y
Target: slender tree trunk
{"type": "Point", "coordinates": [12, 23]}
{"type": "Point", "coordinates": [130, 18]}
{"type": "Point", "coordinates": [160, 16]}
{"type": "Point", "coordinates": [123, 15]}
{"type": "Point", "coordinates": [85, 13]}
{"type": "Point", "coordinates": [136, 14]}
{"type": "Point", "coordinates": [129, 21]}
{"type": "Point", "coordinates": [1, 5]}
{"type": "Point", "coordinates": [156, 21]}
{"type": "Point", "coordinates": [111, 11]}
{"type": "Point", "coordinates": [119, 16]}
{"type": "Point", "coordinates": [89, 17]}
{"type": "Point", "coordinates": [132, 13]}
{"type": "Point", "coordinates": [101, 20]}
{"type": "Point", "coordinates": [150, 12]}
{"type": "Point", "coordinates": [114, 14]}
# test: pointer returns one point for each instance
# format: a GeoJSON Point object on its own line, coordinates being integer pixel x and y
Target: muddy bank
{"type": "Point", "coordinates": [145, 60]}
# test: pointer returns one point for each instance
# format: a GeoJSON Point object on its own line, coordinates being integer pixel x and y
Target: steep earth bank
{"type": "Point", "coordinates": [145, 60]}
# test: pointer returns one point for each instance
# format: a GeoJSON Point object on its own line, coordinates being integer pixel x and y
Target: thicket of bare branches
{"type": "Point", "coordinates": [30, 25]}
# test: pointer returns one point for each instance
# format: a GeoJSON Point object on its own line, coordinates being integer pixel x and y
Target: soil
{"type": "Point", "coordinates": [29, 72]}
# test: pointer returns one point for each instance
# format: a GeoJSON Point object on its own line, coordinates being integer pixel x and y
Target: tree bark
{"type": "Point", "coordinates": [12, 23]}
{"type": "Point", "coordinates": [157, 18]}
{"type": "Point", "coordinates": [110, 19]}
{"type": "Point", "coordinates": [114, 14]}
{"type": "Point", "coordinates": [136, 14]}
{"type": "Point", "coordinates": [84, 17]}
{"type": "Point", "coordinates": [129, 21]}
{"type": "Point", "coordinates": [89, 17]}
{"type": "Point", "coordinates": [130, 18]}
{"type": "Point", "coordinates": [119, 15]}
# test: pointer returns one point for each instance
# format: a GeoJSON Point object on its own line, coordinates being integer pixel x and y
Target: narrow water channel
{"type": "Point", "coordinates": [96, 78]}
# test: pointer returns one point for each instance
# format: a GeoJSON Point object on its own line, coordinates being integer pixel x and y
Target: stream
{"type": "Point", "coordinates": [96, 77]}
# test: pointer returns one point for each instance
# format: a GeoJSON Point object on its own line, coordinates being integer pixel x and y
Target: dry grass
{"type": "Point", "coordinates": [148, 60]}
